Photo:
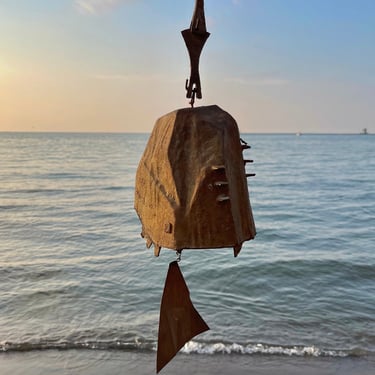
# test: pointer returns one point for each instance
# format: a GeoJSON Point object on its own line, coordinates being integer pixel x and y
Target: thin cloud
{"type": "Point", "coordinates": [127, 77]}
{"type": "Point", "coordinates": [138, 78]}
{"type": "Point", "coordinates": [264, 81]}
{"type": "Point", "coordinates": [98, 6]}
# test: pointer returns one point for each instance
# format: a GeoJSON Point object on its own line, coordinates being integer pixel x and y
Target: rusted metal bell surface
{"type": "Point", "coordinates": [191, 187]}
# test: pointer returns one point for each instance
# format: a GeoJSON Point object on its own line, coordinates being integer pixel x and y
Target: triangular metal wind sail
{"type": "Point", "coordinates": [179, 320]}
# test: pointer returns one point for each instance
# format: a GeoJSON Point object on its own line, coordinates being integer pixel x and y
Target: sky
{"type": "Point", "coordinates": [118, 65]}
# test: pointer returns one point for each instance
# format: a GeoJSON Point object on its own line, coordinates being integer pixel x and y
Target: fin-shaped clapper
{"type": "Point", "coordinates": [179, 320]}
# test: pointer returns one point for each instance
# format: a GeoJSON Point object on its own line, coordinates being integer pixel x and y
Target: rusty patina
{"type": "Point", "coordinates": [191, 187]}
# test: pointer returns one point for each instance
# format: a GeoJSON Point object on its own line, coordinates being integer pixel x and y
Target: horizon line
{"type": "Point", "coordinates": [149, 132]}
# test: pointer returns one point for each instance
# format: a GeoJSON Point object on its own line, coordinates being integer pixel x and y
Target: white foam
{"type": "Point", "coordinates": [193, 347]}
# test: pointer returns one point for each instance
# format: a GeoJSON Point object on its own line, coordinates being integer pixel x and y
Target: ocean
{"type": "Point", "coordinates": [80, 292]}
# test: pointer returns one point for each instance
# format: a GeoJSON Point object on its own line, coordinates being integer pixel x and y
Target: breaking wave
{"type": "Point", "coordinates": [136, 345]}
{"type": "Point", "coordinates": [221, 348]}
{"type": "Point", "coordinates": [192, 347]}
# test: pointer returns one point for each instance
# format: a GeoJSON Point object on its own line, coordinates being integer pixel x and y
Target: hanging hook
{"type": "Point", "coordinates": [178, 253]}
{"type": "Point", "coordinates": [195, 37]}
{"type": "Point", "coordinates": [192, 101]}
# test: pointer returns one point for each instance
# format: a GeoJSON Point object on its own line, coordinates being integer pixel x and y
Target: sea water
{"type": "Point", "coordinates": [76, 275]}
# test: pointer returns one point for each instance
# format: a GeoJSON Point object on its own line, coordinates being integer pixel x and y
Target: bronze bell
{"type": "Point", "coordinates": [191, 184]}
{"type": "Point", "coordinates": [191, 193]}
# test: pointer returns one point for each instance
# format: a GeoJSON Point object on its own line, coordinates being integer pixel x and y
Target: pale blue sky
{"type": "Point", "coordinates": [118, 65]}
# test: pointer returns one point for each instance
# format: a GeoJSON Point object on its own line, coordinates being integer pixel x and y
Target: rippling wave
{"type": "Point", "coordinates": [192, 347]}
{"type": "Point", "coordinates": [75, 273]}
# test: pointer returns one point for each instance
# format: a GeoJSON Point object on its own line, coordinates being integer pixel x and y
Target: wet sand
{"type": "Point", "coordinates": [81, 362]}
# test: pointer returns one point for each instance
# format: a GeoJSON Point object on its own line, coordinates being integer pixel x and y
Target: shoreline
{"type": "Point", "coordinates": [96, 362]}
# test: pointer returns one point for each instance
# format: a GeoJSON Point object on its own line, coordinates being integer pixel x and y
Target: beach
{"type": "Point", "coordinates": [112, 363]}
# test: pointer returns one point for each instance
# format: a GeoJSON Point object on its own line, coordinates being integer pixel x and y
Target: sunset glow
{"type": "Point", "coordinates": [116, 66]}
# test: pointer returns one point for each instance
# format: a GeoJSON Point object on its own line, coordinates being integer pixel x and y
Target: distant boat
{"type": "Point", "coordinates": [298, 134]}
{"type": "Point", "coordinates": [364, 131]}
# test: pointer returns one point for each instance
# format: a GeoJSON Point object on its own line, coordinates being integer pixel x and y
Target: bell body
{"type": "Point", "coordinates": [191, 187]}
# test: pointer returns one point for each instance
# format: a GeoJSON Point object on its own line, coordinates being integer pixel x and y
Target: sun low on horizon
{"type": "Point", "coordinates": [118, 65]}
